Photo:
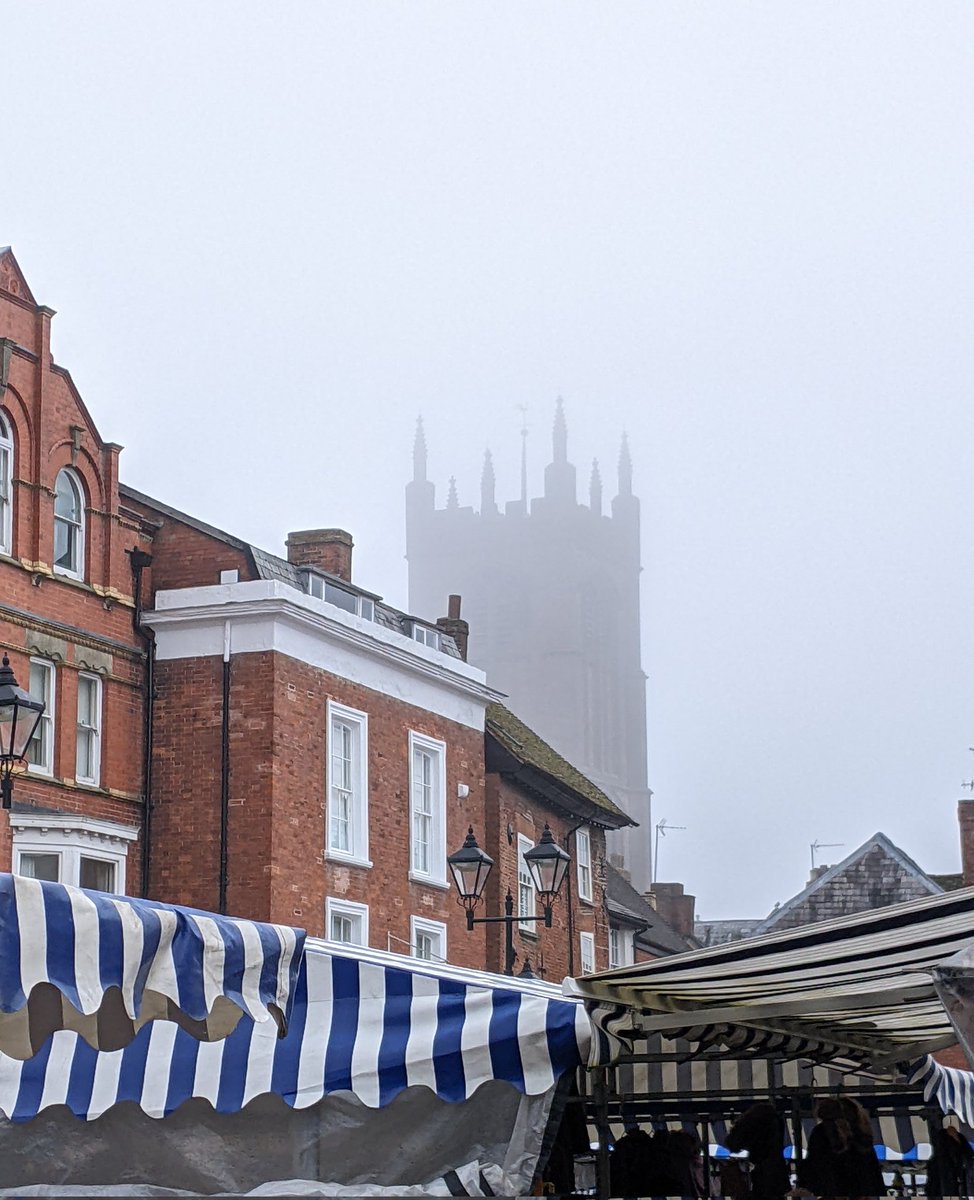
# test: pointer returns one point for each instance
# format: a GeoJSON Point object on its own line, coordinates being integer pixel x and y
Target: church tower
{"type": "Point", "coordinates": [550, 589]}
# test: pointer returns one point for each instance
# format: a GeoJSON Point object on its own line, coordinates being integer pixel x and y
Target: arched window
{"type": "Point", "coordinates": [6, 486]}
{"type": "Point", "coordinates": [69, 525]}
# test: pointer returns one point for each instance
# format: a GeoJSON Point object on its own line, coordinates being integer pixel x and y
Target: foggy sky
{"type": "Point", "coordinates": [742, 232]}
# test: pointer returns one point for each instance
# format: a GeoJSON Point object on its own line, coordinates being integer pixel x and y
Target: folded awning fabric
{"type": "Point", "coordinates": [104, 966]}
{"type": "Point", "coordinates": [858, 990]}
{"type": "Point", "coordinates": [361, 1021]}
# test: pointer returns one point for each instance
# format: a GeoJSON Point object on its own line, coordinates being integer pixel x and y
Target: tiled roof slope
{"type": "Point", "coordinates": [272, 566]}
{"type": "Point", "coordinates": [532, 752]}
{"type": "Point", "coordinates": [624, 902]}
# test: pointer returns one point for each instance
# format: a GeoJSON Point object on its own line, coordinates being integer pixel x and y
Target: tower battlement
{"type": "Point", "coordinates": [550, 587]}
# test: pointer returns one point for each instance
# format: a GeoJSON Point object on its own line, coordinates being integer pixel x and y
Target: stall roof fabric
{"type": "Point", "coordinates": [362, 1021]}
{"type": "Point", "coordinates": [858, 989]}
{"type": "Point", "coordinates": [103, 966]}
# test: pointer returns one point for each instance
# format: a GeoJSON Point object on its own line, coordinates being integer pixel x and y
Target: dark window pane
{"type": "Point", "coordinates": [98, 875]}
{"type": "Point", "coordinates": [40, 866]}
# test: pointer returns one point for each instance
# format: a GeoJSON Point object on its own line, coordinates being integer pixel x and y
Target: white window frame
{"type": "Point", "coordinates": [436, 875]}
{"type": "Point", "coordinates": [435, 929]}
{"type": "Point", "coordinates": [46, 726]}
{"type": "Point", "coordinates": [77, 569]}
{"type": "Point", "coordinates": [324, 589]}
{"type": "Point", "coordinates": [94, 731]}
{"type": "Point", "coordinates": [427, 636]}
{"type": "Point", "coordinates": [72, 837]}
{"type": "Point", "coordinates": [586, 945]}
{"type": "Point", "coordinates": [583, 860]}
{"type": "Point", "coordinates": [525, 881]}
{"type": "Point", "coordinates": [620, 947]}
{"type": "Point", "coordinates": [6, 477]}
{"type": "Point", "coordinates": [358, 913]}
{"type": "Point", "coordinates": [358, 722]}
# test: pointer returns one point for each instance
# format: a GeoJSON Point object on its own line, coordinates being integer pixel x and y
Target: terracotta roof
{"type": "Point", "coordinates": [580, 795]}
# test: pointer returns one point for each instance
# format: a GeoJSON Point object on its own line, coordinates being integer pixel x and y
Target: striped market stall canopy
{"type": "Point", "coordinates": [670, 1088]}
{"type": "Point", "coordinates": [361, 1022]}
{"type": "Point", "coordinates": [855, 992]}
{"type": "Point", "coordinates": [107, 967]}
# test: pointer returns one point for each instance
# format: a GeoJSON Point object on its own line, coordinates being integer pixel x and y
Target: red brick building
{"type": "Point", "coordinates": [310, 754]}
{"type": "Point", "coordinates": [66, 615]}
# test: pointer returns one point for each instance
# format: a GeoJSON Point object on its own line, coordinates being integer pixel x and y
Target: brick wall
{"type": "Point", "coordinates": [554, 951]}
{"type": "Point", "coordinates": [278, 741]}
{"type": "Point", "coordinates": [84, 624]}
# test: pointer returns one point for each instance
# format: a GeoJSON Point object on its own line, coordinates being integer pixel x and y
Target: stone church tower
{"type": "Point", "coordinates": [550, 588]}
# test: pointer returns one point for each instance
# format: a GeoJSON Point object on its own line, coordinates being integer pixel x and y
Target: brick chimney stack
{"type": "Point", "coordinates": [455, 627]}
{"type": "Point", "coordinates": [327, 549]}
{"type": "Point", "coordinates": [674, 906]}
{"type": "Point", "coordinates": [965, 819]}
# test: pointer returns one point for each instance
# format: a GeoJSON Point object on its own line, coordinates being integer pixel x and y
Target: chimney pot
{"type": "Point", "coordinates": [455, 626]}
{"type": "Point", "coordinates": [965, 818]}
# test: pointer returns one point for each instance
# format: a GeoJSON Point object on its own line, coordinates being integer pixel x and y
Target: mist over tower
{"type": "Point", "coordinates": [550, 588]}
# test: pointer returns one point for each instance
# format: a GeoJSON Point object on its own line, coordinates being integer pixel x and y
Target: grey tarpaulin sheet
{"type": "Point", "coordinates": [414, 1140]}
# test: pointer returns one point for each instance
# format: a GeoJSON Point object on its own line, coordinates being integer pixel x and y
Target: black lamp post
{"type": "Point", "coordinates": [548, 865]}
{"type": "Point", "coordinates": [19, 717]}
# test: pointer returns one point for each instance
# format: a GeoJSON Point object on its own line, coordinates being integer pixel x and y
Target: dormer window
{"type": "Point", "coordinates": [344, 598]}
{"type": "Point", "coordinates": [6, 486]}
{"type": "Point", "coordinates": [425, 635]}
{"type": "Point", "coordinates": [69, 525]}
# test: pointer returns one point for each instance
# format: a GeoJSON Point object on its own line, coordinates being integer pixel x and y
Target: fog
{"type": "Point", "coordinates": [275, 234]}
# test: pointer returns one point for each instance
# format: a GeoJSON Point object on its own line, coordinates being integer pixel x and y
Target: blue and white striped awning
{"type": "Point", "coordinates": [362, 1021]}
{"type": "Point", "coordinates": [104, 966]}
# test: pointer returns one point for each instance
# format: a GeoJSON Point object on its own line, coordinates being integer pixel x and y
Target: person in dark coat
{"type": "Point", "coordinates": [950, 1171]}
{"type": "Point", "coordinates": [841, 1159]}
{"type": "Point", "coordinates": [761, 1132]}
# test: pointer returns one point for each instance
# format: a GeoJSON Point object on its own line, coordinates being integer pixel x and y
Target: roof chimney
{"type": "Point", "coordinates": [454, 626]}
{"type": "Point", "coordinates": [965, 818]}
{"type": "Point", "coordinates": [327, 549]}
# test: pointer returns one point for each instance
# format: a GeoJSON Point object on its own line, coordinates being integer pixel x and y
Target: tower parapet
{"type": "Point", "coordinates": [551, 592]}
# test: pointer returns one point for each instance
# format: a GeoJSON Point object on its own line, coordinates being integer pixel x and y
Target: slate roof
{"type": "Point", "coordinates": [866, 893]}
{"type": "Point", "coordinates": [529, 757]}
{"type": "Point", "coordinates": [272, 566]}
{"type": "Point", "coordinates": [655, 936]}
{"type": "Point", "coordinates": [716, 933]}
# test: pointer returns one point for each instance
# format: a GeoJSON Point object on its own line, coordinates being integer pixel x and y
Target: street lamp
{"type": "Point", "coordinates": [19, 717]}
{"type": "Point", "coordinates": [547, 863]}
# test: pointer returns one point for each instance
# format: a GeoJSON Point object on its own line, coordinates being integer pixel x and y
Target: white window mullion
{"type": "Point", "coordinates": [587, 947]}
{"type": "Point", "coordinates": [40, 748]}
{"type": "Point", "coordinates": [88, 744]}
{"type": "Point", "coordinates": [526, 893]}
{"type": "Point", "coordinates": [6, 486]}
{"type": "Point", "coordinates": [347, 808]}
{"type": "Point", "coordinates": [427, 793]}
{"type": "Point", "coordinates": [583, 856]}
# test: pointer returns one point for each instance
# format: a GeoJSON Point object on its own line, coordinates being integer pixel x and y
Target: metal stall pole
{"type": "Point", "coordinates": [796, 1135]}
{"type": "Point", "coordinates": [705, 1139]}
{"type": "Point", "coordinates": [600, 1093]}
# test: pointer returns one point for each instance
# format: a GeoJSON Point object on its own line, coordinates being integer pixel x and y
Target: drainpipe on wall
{"type": "Point", "coordinates": [139, 560]}
{"type": "Point", "coordinates": [225, 773]}
{"type": "Point", "coordinates": [569, 904]}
